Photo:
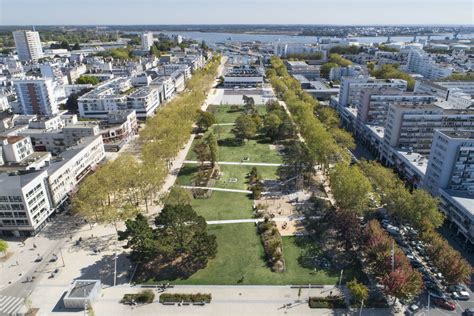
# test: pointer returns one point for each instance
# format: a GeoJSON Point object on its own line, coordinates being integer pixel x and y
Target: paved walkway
{"type": "Point", "coordinates": [262, 164]}
{"type": "Point", "coordinates": [216, 189]}
{"type": "Point", "coordinates": [223, 124]}
{"type": "Point", "coordinates": [177, 163]}
{"type": "Point", "coordinates": [255, 220]}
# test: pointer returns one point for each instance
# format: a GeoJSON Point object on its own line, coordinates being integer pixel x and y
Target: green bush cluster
{"type": "Point", "coordinates": [145, 296]}
{"type": "Point", "coordinates": [327, 302]}
{"type": "Point", "coordinates": [272, 244]}
{"type": "Point", "coordinates": [180, 297]}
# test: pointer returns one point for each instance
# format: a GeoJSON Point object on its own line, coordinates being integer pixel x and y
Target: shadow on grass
{"type": "Point", "coordinates": [230, 142]}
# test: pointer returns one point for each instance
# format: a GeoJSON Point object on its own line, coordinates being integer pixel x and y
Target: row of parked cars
{"type": "Point", "coordinates": [440, 292]}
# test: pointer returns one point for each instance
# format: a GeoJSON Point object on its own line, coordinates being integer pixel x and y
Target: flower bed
{"type": "Point", "coordinates": [145, 296]}
{"type": "Point", "coordinates": [185, 298]}
{"type": "Point", "coordinates": [272, 244]}
{"type": "Point", "coordinates": [327, 302]}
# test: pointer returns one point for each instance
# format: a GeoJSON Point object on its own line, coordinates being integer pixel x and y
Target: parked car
{"type": "Point", "coordinates": [461, 295]}
{"type": "Point", "coordinates": [436, 293]}
{"type": "Point", "coordinates": [431, 286]}
{"type": "Point", "coordinates": [456, 288]}
{"type": "Point", "coordinates": [413, 308]}
{"type": "Point", "coordinates": [468, 312]}
{"type": "Point", "coordinates": [443, 303]}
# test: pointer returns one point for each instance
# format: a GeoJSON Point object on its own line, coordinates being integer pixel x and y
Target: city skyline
{"type": "Point", "coordinates": [140, 12]}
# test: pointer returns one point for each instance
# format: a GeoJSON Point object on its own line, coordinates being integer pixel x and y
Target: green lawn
{"type": "Point", "coordinates": [257, 150]}
{"type": "Point", "coordinates": [188, 172]}
{"type": "Point", "coordinates": [224, 205]}
{"type": "Point", "coordinates": [240, 254]}
{"type": "Point", "coordinates": [224, 115]}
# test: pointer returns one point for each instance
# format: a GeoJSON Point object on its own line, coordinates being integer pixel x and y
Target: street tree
{"type": "Point", "coordinates": [350, 188]}
{"type": "Point", "coordinates": [271, 125]}
{"type": "Point", "coordinates": [358, 291]}
{"type": "Point", "coordinates": [140, 238]}
{"type": "Point", "coordinates": [3, 246]}
{"type": "Point", "coordinates": [205, 120]}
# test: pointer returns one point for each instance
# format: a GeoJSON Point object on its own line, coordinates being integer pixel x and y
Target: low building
{"type": "Point", "coordinates": [120, 127]}
{"type": "Point", "coordinates": [243, 76]}
{"type": "Point", "coordinates": [82, 294]}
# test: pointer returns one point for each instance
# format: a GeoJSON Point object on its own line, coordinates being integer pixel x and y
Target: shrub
{"type": "Point", "coordinates": [180, 297]}
{"type": "Point", "coordinates": [145, 296]}
{"type": "Point", "coordinates": [327, 302]}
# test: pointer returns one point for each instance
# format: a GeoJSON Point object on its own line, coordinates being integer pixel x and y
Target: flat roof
{"type": "Point", "coordinates": [82, 288]}
{"type": "Point", "coordinates": [461, 199]}
{"type": "Point", "coordinates": [418, 162]}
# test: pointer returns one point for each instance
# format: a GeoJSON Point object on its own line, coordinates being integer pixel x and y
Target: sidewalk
{"type": "Point", "coordinates": [262, 164]}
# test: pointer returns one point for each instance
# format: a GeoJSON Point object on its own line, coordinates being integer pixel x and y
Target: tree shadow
{"type": "Point", "coordinates": [230, 142]}
{"type": "Point", "coordinates": [63, 224]}
{"type": "Point", "coordinates": [164, 270]}
{"type": "Point", "coordinates": [103, 270]}
{"type": "Point", "coordinates": [60, 308]}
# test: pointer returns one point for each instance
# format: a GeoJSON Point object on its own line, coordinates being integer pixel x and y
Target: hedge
{"type": "Point", "coordinates": [180, 297]}
{"type": "Point", "coordinates": [327, 302]}
{"type": "Point", "coordinates": [145, 296]}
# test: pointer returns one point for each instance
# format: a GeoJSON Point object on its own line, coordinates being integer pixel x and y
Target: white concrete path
{"type": "Point", "coordinates": [262, 164]}
{"type": "Point", "coordinates": [255, 220]}
{"type": "Point", "coordinates": [223, 124]}
{"type": "Point", "coordinates": [216, 189]}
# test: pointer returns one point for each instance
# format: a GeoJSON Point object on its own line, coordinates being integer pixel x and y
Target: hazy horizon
{"type": "Point", "coordinates": [214, 12]}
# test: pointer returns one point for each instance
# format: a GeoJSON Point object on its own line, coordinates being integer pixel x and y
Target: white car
{"type": "Point", "coordinates": [461, 295]}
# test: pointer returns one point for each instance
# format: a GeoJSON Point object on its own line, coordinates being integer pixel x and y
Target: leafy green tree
{"type": "Point", "coordinates": [76, 47]}
{"type": "Point", "coordinates": [211, 142]}
{"type": "Point", "coordinates": [154, 51]}
{"type": "Point", "coordinates": [391, 72]}
{"type": "Point", "coordinates": [140, 238]}
{"type": "Point", "coordinates": [3, 246]}
{"type": "Point", "coordinates": [181, 230]}
{"type": "Point", "coordinates": [177, 196]}
{"type": "Point", "coordinates": [326, 68]}
{"type": "Point", "coordinates": [245, 127]}
{"type": "Point", "coordinates": [203, 154]}
{"type": "Point", "coordinates": [338, 59]}
{"type": "Point", "coordinates": [350, 188]}
{"type": "Point", "coordinates": [271, 125]}
{"type": "Point", "coordinates": [358, 291]}
{"type": "Point", "coordinates": [72, 106]}
{"type": "Point", "coordinates": [205, 120]}
{"type": "Point", "coordinates": [84, 79]}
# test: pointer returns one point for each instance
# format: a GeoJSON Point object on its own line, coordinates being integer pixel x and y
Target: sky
{"type": "Point", "coordinates": [348, 12]}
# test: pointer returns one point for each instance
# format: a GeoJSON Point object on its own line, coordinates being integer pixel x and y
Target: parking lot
{"type": "Point", "coordinates": [443, 299]}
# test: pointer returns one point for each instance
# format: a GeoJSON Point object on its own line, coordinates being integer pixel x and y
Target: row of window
{"type": "Point", "coordinates": [7, 207]}
{"type": "Point", "coordinates": [12, 214]}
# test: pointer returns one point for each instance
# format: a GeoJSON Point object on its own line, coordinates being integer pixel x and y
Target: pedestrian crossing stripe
{"type": "Point", "coordinates": [10, 305]}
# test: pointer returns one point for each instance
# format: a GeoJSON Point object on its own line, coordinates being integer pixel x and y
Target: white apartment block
{"type": "Point", "coordinates": [36, 97]}
{"type": "Point", "coordinates": [451, 162]}
{"type": "Point", "coordinates": [24, 203]}
{"type": "Point", "coordinates": [147, 41]}
{"type": "Point", "coordinates": [411, 127]}
{"type": "Point", "coordinates": [28, 45]}
{"type": "Point", "coordinates": [421, 63]}
{"type": "Point", "coordinates": [15, 148]}
{"type": "Point", "coordinates": [459, 94]}
{"type": "Point", "coordinates": [450, 175]}
{"type": "Point", "coordinates": [73, 165]}
{"type": "Point", "coordinates": [145, 101]}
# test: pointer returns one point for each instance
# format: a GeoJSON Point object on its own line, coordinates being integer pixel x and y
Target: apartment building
{"type": "Point", "coordinates": [28, 45]}
{"type": "Point", "coordinates": [147, 41]}
{"type": "Point", "coordinates": [450, 176]}
{"type": "Point", "coordinates": [413, 126]}
{"type": "Point", "coordinates": [421, 63]}
{"type": "Point", "coordinates": [460, 94]}
{"type": "Point", "coordinates": [243, 76]}
{"type": "Point", "coordinates": [145, 101]}
{"type": "Point", "coordinates": [36, 96]}
{"type": "Point", "coordinates": [24, 203]}
{"type": "Point", "coordinates": [72, 166]}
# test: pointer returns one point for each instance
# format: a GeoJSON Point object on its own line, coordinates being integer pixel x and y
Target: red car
{"type": "Point", "coordinates": [444, 304]}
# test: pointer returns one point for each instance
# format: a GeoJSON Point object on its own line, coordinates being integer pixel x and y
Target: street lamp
{"type": "Point", "coordinates": [340, 278]}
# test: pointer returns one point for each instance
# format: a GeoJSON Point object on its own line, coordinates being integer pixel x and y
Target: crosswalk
{"type": "Point", "coordinates": [10, 305]}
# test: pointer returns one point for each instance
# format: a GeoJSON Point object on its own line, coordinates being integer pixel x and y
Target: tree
{"type": "Point", "coordinates": [87, 80]}
{"type": "Point", "coordinates": [154, 51]}
{"type": "Point", "coordinates": [245, 127]}
{"type": "Point", "coordinates": [3, 246]}
{"type": "Point", "coordinates": [177, 196]}
{"type": "Point", "coordinates": [72, 105]}
{"type": "Point", "coordinates": [359, 291]}
{"type": "Point", "coordinates": [180, 229]}
{"type": "Point", "coordinates": [140, 238]}
{"type": "Point", "coordinates": [211, 142]}
{"type": "Point", "coordinates": [205, 120]}
{"type": "Point", "coordinates": [338, 59]}
{"type": "Point", "coordinates": [203, 154]}
{"type": "Point", "coordinates": [388, 71]}
{"type": "Point", "coordinates": [271, 125]}
{"type": "Point", "coordinates": [350, 188]}
{"type": "Point", "coordinates": [76, 47]}
{"type": "Point", "coordinates": [326, 68]}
